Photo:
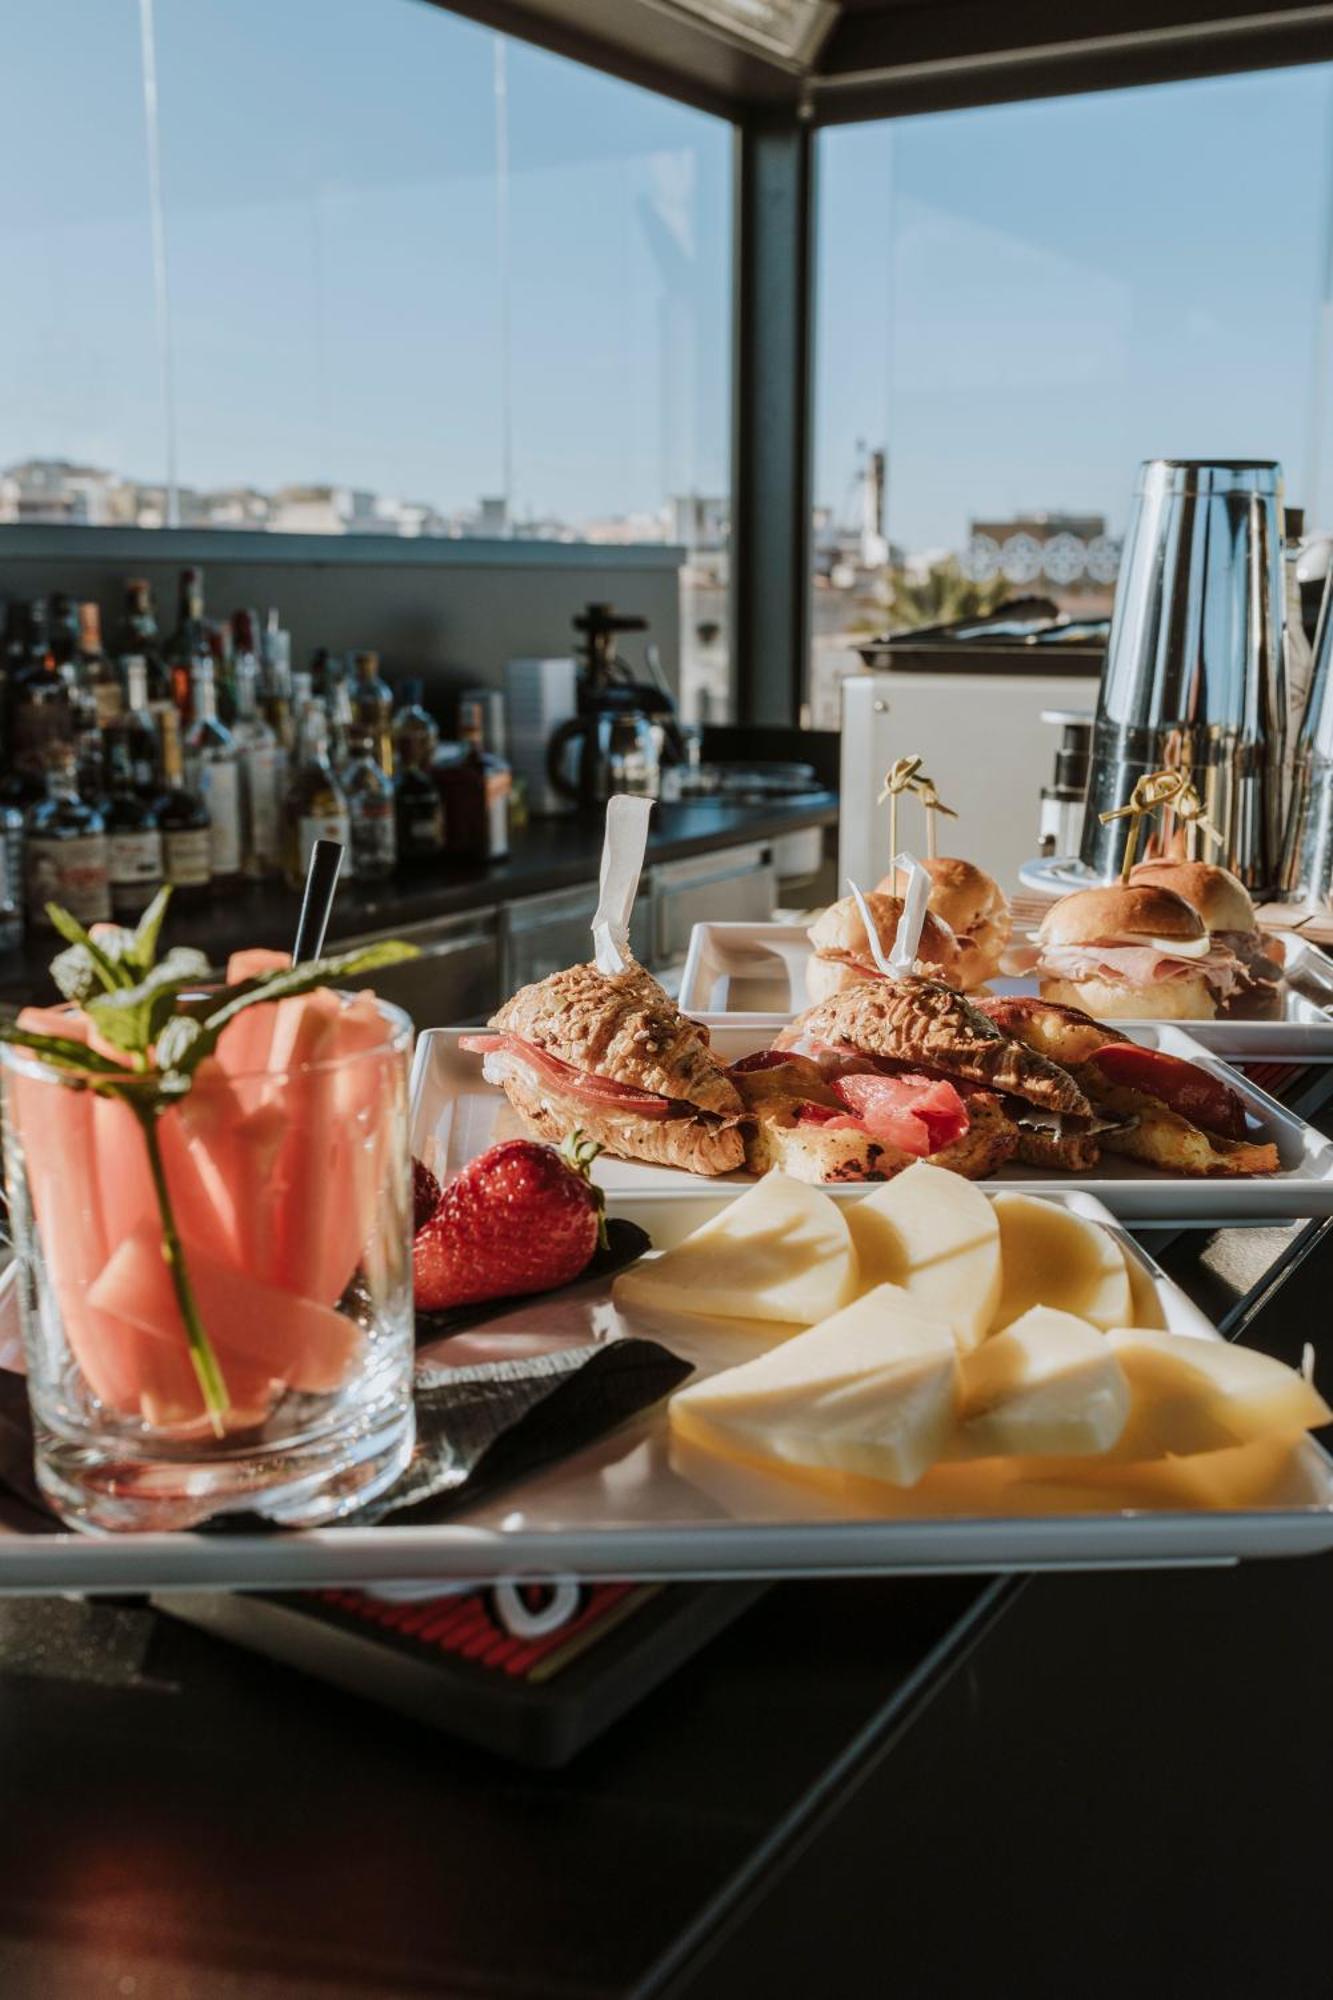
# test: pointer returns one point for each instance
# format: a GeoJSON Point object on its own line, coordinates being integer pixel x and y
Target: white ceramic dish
{"type": "Point", "coordinates": [755, 973]}
{"type": "Point", "coordinates": [457, 1115]}
{"type": "Point", "coordinates": [630, 1506]}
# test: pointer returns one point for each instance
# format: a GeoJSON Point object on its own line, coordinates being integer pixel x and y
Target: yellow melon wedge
{"type": "Point", "coordinates": [1207, 1395]}
{"type": "Point", "coordinates": [1049, 1384]}
{"type": "Point", "coordinates": [781, 1251]}
{"type": "Point", "coordinates": [936, 1235]}
{"type": "Point", "coordinates": [1052, 1257]}
{"type": "Point", "coordinates": [871, 1392]}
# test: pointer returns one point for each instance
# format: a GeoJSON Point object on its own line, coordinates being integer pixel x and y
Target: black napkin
{"type": "Point", "coordinates": [478, 1427]}
{"type": "Point", "coordinates": [624, 1242]}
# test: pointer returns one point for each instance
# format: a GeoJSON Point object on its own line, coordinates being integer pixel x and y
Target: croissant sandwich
{"type": "Point", "coordinates": [613, 1055]}
{"type": "Point", "coordinates": [1159, 1108]}
{"type": "Point", "coordinates": [925, 1075]}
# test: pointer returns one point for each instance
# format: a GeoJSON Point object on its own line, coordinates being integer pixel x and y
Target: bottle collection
{"type": "Point", "coordinates": [205, 758]}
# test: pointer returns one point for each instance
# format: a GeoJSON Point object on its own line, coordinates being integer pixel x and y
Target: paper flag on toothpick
{"type": "Point", "coordinates": [907, 939]}
{"type": "Point", "coordinates": [623, 849]}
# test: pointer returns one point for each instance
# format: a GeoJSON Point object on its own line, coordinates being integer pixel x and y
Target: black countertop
{"type": "Point", "coordinates": [547, 854]}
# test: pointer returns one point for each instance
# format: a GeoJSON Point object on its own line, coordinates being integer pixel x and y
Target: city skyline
{"type": "Point", "coordinates": [338, 230]}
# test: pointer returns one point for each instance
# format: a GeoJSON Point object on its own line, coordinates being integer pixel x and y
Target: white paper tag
{"type": "Point", "coordinates": [622, 864]}
{"type": "Point", "coordinates": [905, 945]}
{"type": "Point", "coordinates": [876, 948]}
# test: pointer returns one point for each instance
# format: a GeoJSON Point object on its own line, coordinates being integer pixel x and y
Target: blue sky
{"type": "Point", "coordinates": [1021, 302]}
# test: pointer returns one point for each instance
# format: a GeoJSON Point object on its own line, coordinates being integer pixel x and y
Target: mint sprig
{"type": "Point", "coordinates": [152, 1011]}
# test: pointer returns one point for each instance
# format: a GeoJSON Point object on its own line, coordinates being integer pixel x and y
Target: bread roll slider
{"type": "Point", "coordinates": [973, 906]}
{"type": "Point", "coordinates": [1158, 1108]}
{"type": "Point", "coordinates": [1134, 951]}
{"type": "Point", "coordinates": [889, 1071]}
{"type": "Point", "coordinates": [1223, 901]}
{"type": "Point", "coordinates": [613, 1055]}
{"type": "Point", "coordinates": [844, 956]}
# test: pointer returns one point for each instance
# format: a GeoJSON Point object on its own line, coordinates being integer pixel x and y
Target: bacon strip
{"type": "Point", "coordinates": [562, 1077]}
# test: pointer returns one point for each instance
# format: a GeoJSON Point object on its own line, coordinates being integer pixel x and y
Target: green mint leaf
{"type": "Point", "coordinates": [73, 932]}
{"type": "Point", "coordinates": [175, 1043]}
{"type": "Point", "coordinates": [133, 1017]}
{"type": "Point", "coordinates": [184, 1050]}
{"type": "Point", "coordinates": [76, 973]}
{"type": "Point", "coordinates": [60, 1051]}
{"type": "Point", "coordinates": [148, 931]}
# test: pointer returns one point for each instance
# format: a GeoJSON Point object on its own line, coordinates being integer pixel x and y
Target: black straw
{"type": "Point", "coordinates": [320, 881]}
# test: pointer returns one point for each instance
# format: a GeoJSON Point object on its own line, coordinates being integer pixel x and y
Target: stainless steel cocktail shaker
{"type": "Point", "coordinates": [1307, 870]}
{"type": "Point", "coordinates": [1194, 666]}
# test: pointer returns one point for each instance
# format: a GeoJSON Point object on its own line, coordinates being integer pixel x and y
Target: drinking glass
{"type": "Point", "coordinates": [287, 1176]}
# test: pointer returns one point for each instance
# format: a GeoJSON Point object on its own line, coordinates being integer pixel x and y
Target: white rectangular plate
{"type": "Point", "coordinates": [459, 1115]}
{"type": "Point", "coordinates": [756, 972]}
{"type": "Point", "coordinates": [632, 1506]}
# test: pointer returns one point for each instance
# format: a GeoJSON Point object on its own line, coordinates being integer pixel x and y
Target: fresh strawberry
{"type": "Point", "coordinates": [425, 1194]}
{"type": "Point", "coordinates": [519, 1218]}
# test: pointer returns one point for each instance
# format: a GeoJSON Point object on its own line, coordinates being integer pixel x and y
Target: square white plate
{"type": "Point", "coordinates": [635, 1506]}
{"type": "Point", "coordinates": [458, 1115]}
{"type": "Point", "coordinates": [755, 972]}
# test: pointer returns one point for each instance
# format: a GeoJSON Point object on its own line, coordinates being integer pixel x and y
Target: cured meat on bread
{"type": "Point", "coordinates": [613, 1055]}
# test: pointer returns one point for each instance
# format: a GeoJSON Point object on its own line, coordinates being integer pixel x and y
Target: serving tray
{"type": "Point", "coordinates": [459, 1115]}
{"type": "Point", "coordinates": [756, 973]}
{"type": "Point", "coordinates": [634, 1507]}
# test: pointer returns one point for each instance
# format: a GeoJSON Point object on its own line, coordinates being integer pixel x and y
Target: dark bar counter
{"type": "Point", "coordinates": [545, 855]}
{"type": "Point", "coordinates": [922, 1786]}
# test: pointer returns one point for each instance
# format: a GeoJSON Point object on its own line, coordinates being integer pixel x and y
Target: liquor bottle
{"type": "Point", "coordinates": [372, 702]}
{"type": "Point", "coordinates": [134, 839]}
{"type": "Point", "coordinates": [213, 769]}
{"type": "Point", "coordinates": [419, 809]}
{"type": "Point", "coordinates": [95, 670]}
{"type": "Point", "coordinates": [182, 816]}
{"type": "Point", "coordinates": [263, 762]}
{"type": "Point", "coordinates": [39, 717]}
{"type": "Point", "coordinates": [141, 640]}
{"type": "Point", "coordinates": [275, 682]}
{"type": "Point", "coordinates": [314, 808]}
{"type": "Point", "coordinates": [343, 725]}
{"type": "Point", "coordinates": [64, 629]}
{"type": "Point", "coordinates": [370, 813]}
{"type": "Point", "coordinates": [140, 730]}
{"type": "Point", "coordinates": [476, 792]}
{"type": "Point", "coordinates": [416, 735]}
{"type": "Point", "coordinates": [65, 851]}
{"type": "Point", "coordinates": [222, 650]}
{"type": "Point", "coordinates": [188, 646]}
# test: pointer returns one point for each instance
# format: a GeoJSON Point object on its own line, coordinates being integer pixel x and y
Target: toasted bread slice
{"type": "Point", "coordinates": [777, 1135]}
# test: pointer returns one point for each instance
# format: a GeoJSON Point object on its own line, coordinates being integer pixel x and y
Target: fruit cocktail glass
{"type": "Point", "coordinates": [286, 1173]}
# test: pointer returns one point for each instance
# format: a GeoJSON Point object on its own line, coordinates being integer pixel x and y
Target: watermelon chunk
{"type": "Point", "coordinates": [263, 1336]}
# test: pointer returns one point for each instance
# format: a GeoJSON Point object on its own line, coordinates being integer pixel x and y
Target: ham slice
{"type": "Point", "coordinates": [553, 1074]}
{"type": "Point", "coordinates": [1137, 965]}
{"type": "Point", "coordinates": [917, 1114]}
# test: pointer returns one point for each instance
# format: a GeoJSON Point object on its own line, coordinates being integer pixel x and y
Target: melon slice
{"type": "Point", "coordinates": [1049, 1384]}
{"type": "Point", "coordinates": [870, 1392]}
{"type": "Point", "coordinates": [781, 1251]}
{"type": "Point", "coordinates": [261, 1334]}
{"type": "Point", "coordinates": [935, 1234]}
{"type": "Point", "coordinates": [1051, 1257]}
{"type": "Point", "coordinates": [1205, 1395]}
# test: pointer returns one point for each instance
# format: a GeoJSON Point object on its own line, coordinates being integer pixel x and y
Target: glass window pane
{"type": "Point", "coordinates": [79, 378]}
{"type": "Point", "coordinates": [419, 280]}
{"type": "Point", "coordinates": [1017, 304]}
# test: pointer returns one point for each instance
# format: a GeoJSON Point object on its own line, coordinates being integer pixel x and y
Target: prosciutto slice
{"type": "Point", "coordinates": [553, 1074]}
{"type": "Point", "coordinates": [1138, 965]}
{"type": "Point", "coordinates": [917, 1114]}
